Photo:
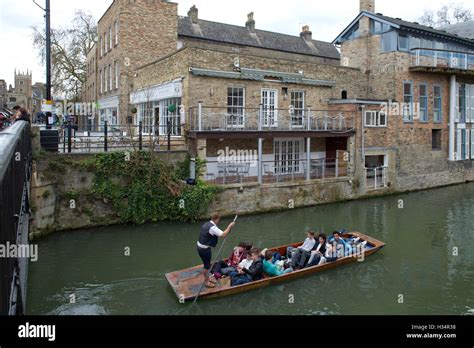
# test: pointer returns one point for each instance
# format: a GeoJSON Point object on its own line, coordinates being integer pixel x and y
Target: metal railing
{"type": "Point", "coordinates": [224, 119]}
{"type": "Point", "coordinates": [73, 138]}
{"type": "Point", "coordinates": [15, 174]}
{"type": "Point", "coordinates": [435, 58]}
{"type": "Point", "coordinates": [376, 178]}
{"type": "Point", "coordinates": [283, 171]}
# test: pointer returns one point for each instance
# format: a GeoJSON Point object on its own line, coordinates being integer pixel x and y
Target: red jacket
{"type": "Point", "coordinates": [236, 257]}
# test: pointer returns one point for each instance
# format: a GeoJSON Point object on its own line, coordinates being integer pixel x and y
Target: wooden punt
{"type": "Point", "coordinates": [187, 283]}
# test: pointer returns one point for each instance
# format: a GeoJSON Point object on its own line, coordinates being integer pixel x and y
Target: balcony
{"type": "Point", "coordinates": [235, 121]}
{"type": "Point", "coordinates": [441, 61]}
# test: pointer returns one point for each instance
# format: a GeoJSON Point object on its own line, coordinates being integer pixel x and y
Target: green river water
{"type": "Point", "coordinates": [429, 259]}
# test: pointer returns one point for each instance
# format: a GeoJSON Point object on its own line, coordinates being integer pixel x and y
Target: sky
{"type": "Point", "coordinates": [326, 18]}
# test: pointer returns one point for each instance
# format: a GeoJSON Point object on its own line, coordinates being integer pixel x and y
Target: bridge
{"type": "Point", "coordinates": [15, 174]}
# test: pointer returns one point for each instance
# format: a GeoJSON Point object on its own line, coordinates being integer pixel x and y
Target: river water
{"type": "Point", "coordinates": [427, 266]}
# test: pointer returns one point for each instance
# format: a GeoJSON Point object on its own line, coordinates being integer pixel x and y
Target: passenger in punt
{"type": "Point", "coordinates": [341, 243]}
{"type": "Point", "coordinates": [330, 255]}
{"type": "Point", "coordinates": [318, 251]}
{"type": "Point", "coordinates": [299, 255]}
{"type": "Point", "coordinates": [270, 268]}
{"type": "Point", "coordinates": [253, 273]}
{"type": "Point", "coordinates": [239, 254]}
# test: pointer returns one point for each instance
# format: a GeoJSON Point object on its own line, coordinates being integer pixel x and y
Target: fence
{"type": "Point", "coordinates": [289, 170]}
{"type": "Point", "coordinates": [73, 138]}
{"type": "Point", "coordinates": [15, 173]}
{"type": "Point", "coordinates": [231, 119]}
{"type": "Point", "coordinates": [376, 178]}
{"type": "Point", "coordinates": [435, 58]}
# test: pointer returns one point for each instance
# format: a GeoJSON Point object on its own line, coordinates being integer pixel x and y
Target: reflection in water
{"type": "Point", "coordinates": [418, 263]}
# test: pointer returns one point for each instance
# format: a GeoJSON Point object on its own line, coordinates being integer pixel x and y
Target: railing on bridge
{"type": "Point", "coordinates": [225, 119]}
{"type": "Point", "coordinates": [15, 174]}
{"type": "Point", "coordinates": [435, 58]}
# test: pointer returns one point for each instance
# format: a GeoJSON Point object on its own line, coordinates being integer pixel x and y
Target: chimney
{"type": "Point", "coordinates": [306, 33]}
{"type": "Point", "coordinates": [193, 14]}
{"type": "Point", "coordinates": [367, 5]}
{"type": "Point", "coordinates": [250, 22]}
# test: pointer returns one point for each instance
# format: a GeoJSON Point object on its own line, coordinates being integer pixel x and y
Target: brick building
{"type": "Point", "coordinates": [387, 106]}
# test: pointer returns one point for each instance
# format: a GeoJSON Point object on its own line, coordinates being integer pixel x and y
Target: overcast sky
{"type": "Point", "coordinates": [326, 18]}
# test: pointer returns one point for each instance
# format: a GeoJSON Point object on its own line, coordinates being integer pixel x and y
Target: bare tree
{"type": "Point", "coordinates": [452, 13]}
{"type": "Point", "coordinates": [69, 49]}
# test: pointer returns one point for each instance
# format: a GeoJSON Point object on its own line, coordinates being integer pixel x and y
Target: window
{"type": "Point", "coordinates": [297, 101]}
{"type": "Point", "coordinates": [375, 119]}
{"type": "Point", "coordinates": [111, 43]}
{"type": "Point", "coordinates": [116, 32]}
{"type": "Point", "coordinates": [470, 103]}
{"type": "Point", "coordinates": [270, 107]}
{"type": "Point", "coordinates": [436, 136]}
{"type": "Point", "coordinates": [389, 42]}
{"type": "Point", "coordinates": [463, 144]}
{"type": "Point", "coordinates": [403, 43]}
{"type": "Point", "coordinates": [437, 104]}
{"type": "Point", "coordinates": [116, 75]}
{"type": "Point", "coordinates": [408, 102]}
{"type": "Point", "coordinates": [235, 106]}
{"type": "Point", "coordinates": [101, 43]}
{"type": "Point", "coordinates": [101, 82]}
{"type": "Point", "coordinates": [378, 27]}
{"type": "Point", "coordinates": [423, 91]}
{"type": "Point", "coordinates": [170, 121]}
{"type": "Point", "coordinates": [414, 42]}
{"type": "Point", "coordinates": [344, 95]}
{"type": "Point", "coordinates": [462, 103]}
{"type": "Point", "coordinates": [105, 44]}
{"type": "Point", "coordinates": [288, 153]}
{"type": "Point", "coordinates": [472, 143]}
{"type": "Point", "coordinates": [111, 78]}
{"type": "Point", "coordinates": [105, 78]}
{"type": "Point", "coordinates": [353, 33]}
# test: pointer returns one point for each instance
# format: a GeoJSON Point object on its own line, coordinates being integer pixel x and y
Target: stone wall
{"type": "Point", "coordinates": [54, 186]}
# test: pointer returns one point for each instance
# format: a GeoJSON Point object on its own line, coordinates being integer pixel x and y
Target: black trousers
{"type": "Point", "coordinates": [206, 257]}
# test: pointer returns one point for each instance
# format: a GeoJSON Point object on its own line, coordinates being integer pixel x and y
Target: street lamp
{"type": "Point", "coordinates": [47, 10]}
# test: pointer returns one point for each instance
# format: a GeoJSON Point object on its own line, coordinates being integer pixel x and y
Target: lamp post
{"type": "Point", "coordinates": [47, 10]}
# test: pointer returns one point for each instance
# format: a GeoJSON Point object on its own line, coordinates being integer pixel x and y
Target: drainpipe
{"type": "Point", "coordinates": [452, 119]}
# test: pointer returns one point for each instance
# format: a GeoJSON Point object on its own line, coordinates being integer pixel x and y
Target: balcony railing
{"type": "Point", "coordinates": [223, 119]}
{"type": "Point", "coordinates": [376, 178]}
{"type": "Point", "coordinates": [283, 171]}
{"type": "Point", "coordinates": [434, 58]}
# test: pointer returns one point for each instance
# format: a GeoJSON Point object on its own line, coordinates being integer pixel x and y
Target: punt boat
{"type": "Point", "coordinates": [188, 282]}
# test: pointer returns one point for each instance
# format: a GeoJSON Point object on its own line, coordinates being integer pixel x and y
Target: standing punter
{"type": "Point", "coordinates": [208, 239]}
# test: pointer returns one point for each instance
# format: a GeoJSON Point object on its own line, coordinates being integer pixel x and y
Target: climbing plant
{"type": "Point", "coordinates": [143, 188]}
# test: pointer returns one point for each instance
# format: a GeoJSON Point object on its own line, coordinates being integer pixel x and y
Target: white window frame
{"type": "Point", "coordinates": [111, 78]}
{"type": "Point", "coordinates": [283, 159]}
{"type": "Point", "coordinates": [375, 118]}
{"type": "Point", "coordinates": [116, 32]}
{"type": "Point", "coordinates": [111, 38]}
{"type": "Point", "coordinates": [101, 73]}
{"type": "Point", "coordinates": [116, 75]}
{"type": "Point", "coordinates": [301, 109]}
{"type": "Point", "coordinates": [269, 117]}
{"type": "Point", "coordinates": [105, 78]}
{"type": "Point", "coordinates": [435, 106]}
{"type": "Point", "coordinates": [241, 118]}
{"type": "Point", "coordinates": [101, 46]}
{"type": "Point", "coordinates": [408, 118]}
{"type": "Point", "coordinates": [472, 143]}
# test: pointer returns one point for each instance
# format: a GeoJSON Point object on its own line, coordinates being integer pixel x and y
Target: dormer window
{"type": "Point", "coordinates": [377, 27]}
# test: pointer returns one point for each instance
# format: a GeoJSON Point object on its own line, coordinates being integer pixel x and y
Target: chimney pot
{"type": "Point", "coordinates": [306, 33]}
{"type": "Point", "coordinates": [193, 14]}
{"type": "Point", "coordinates": [250, 22]}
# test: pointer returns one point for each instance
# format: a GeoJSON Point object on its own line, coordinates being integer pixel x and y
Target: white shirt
{"type": "Point", "coordinates": [214, 231]}
{"type": "Point", "coordinates": [246, 264]}
{"type": "Point", "coordinates": [308, 244]}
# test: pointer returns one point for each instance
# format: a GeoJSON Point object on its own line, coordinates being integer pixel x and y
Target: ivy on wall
{"type": "Point", "coordinates": [143, 188]}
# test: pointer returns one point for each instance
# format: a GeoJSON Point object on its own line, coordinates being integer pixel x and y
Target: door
{"type": "Point", "coordinates": [288, 155]}
{"type": "Point", "coordinates": [270, 106]}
